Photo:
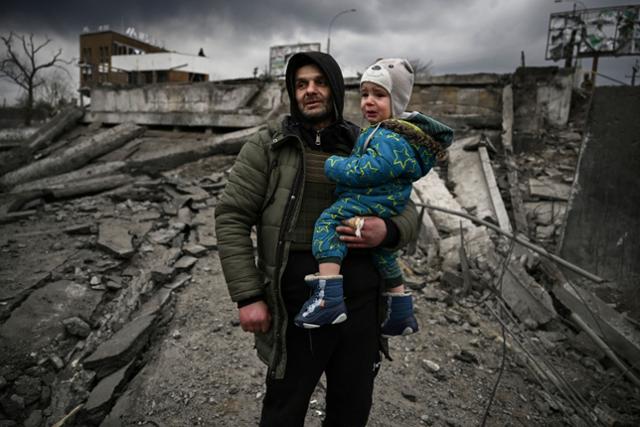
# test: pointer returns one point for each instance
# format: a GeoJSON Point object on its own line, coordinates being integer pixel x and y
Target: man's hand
{"type": "Point", "coordinates": [372, 233]}
{"type": "Point", "coordinates": [255, 317]}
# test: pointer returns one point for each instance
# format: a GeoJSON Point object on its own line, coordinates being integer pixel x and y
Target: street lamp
{"type": "Point", "coordinates": [331, 23]}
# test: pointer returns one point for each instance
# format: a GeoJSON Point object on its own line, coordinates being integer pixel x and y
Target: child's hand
{"type": "Point", "coordinates": [372, 233]}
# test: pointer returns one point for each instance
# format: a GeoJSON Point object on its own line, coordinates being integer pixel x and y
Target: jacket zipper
{"type": "Point", "coordinates": [318, 142]}
{"type": "Point", "coordinates": [288, 212]}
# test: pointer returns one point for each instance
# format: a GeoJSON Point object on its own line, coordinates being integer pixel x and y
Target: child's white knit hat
{"type": "Point", "coordinates": [395, 75]}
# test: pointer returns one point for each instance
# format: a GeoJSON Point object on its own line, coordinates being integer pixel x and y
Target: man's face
{"type": "Point", "coordinates": [313, 95]}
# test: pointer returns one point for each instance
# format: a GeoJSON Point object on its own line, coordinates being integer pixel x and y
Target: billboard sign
{"type": "Point", "coordinates": [605, 31]}
{"type": "Point", "coordinates": [279, 56]}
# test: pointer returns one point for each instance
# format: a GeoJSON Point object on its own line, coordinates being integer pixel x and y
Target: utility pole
{"type": "Point", "coordinates": [634, 70]}
{"type": "Point", "coordinates": [331, 24]}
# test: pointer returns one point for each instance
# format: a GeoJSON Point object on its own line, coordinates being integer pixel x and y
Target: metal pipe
{"type": "Point", "coordinates": [520, 240]}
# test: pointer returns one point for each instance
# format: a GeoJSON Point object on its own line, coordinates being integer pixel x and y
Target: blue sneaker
{"type": "Point", "coordinates": [400, 319]}
{"type": "Point", "coordinates": [326, 304]}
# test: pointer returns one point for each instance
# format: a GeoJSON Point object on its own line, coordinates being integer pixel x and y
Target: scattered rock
{"type": "Point", "coordinates": [56, 361]}
{"type": "Point", "coordinates": [28, 388]}
{"type": "Point", "coordinates": [185, 263]}
{"type": "Point", "coordinates": [410, 395]}
{"type": "Point", "coordinates": [195, 250]}
{"type": "Point", "coordinates": [466, 356]}
{"type": "Point", "coordinates": [77, 327]}
{"type": "Point", "coordinates": [34, 419]}
{"type": "Point", "coordinates": [13, 405]}
{"type": "Point", "coordinates": [430, 366]}
{"type": "Point", "coordinates": [121, 348]}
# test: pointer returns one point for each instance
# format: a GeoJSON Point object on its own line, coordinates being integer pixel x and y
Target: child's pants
{"type": "Point", "coordinates": [327, 246]}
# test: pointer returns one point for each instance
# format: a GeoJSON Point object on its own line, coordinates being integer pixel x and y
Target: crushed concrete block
{"type": "Point", "coordinates": [40, 316]}
{"type": "Point", "coordinates": [34, 419]}
{"type": "Point", "coordinates": [114, 237]}
{"type": "Point", "coordinates": [162, 273]}
{"type": "Point", "coordinates": [545, 232]}
{"type": "Point", "coordinates": [156, 303]}
{"type": "Point", "coordinates": [185, 263]}
{"type": "Point", "coordinates": [546, 212]}
{"type": "Point", "coordinates": [166, 235]}
{"type": "Point", "coordinates": [29, 388]}
{"type": "Point", "coordinates": [77, 327]}
{"type": "Point", "coordinates": [104, 393]}
{"type": "Point", "coordinates": [195, 250]}
{"type": "Point", "coordinates": [179, 281]}
{"type": "Point", "coordinates": [547, 189]}
{"type": "Point", "coordinates": [121, 348]}
{"type": "Point", "coordinates": [87, 228]}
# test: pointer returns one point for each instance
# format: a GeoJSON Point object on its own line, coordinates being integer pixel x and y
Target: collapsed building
{"type": "Point", "coordinates": [107, 221]}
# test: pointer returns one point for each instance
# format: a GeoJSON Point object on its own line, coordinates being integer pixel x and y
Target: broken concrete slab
{"type": "Point", "coordinates": [179, 281]}
{"type": "Point", "coordinates": [121, 348]}
{"type": "Point", "coordinates": [40, 138]}
{"type": "Point", "coordinates": [434, 192]}
{"type": "Point", "coordinates": [103, 394]}
{"type": "Point", "coordinates": [80, 175]}
{"type": "Point", "coordinates": [185, 263]}
{"type": "Point", "coordinates": [526, 297]}
{"type": "Point", "coordinates": [619, 334]}
{"type": "Point", "coordinates": [156, 303]}
{"type": "Point", "coordinates": [547, 188]}
{"type": "Point", "coordinates": [35, 270]}
{"type": "Point", "coordinates": [465, 171]}
{"type": "Point", "coordinates": [39, 319]}
{"type": "Point", "coordinates": [204, 221]}
{"type": "Point", "coordinates": [114, 237]}
{"type": "Point", "coordinates": [195, 250]}
{"type": "Point", "coordinates": [155, 160]}
{"type": "Point", "coordinates": [546, 212]}
{"type": "Point", "coordinates": [74, 157]}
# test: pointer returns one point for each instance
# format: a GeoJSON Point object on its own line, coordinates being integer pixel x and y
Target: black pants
{"type": "Point", "coordinates": [348, 353]}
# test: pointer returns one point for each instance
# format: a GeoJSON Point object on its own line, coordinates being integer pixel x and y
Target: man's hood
{"type": "Point", "coordinates": [331, 70]}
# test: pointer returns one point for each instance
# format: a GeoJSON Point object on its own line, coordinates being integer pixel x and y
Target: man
{"type": "Point", "coordinates": [278, 185]}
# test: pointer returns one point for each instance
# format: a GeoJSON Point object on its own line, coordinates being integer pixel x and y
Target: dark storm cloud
{"type": "Point", "coordinates": [460, 36]}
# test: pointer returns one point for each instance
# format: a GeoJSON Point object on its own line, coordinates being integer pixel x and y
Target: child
{"type": "Point", "coordinates": [375, 179]}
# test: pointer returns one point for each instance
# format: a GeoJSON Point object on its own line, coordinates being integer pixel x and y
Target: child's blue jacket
{"type": "Point", "coordinates": [387, 159]}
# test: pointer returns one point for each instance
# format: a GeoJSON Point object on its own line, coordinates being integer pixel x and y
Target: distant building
{"type": "Point", "coordinates": [109, 57]}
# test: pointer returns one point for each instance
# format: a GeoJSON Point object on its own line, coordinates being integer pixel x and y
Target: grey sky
{"type": "Point", "coordinates": [458, 36]}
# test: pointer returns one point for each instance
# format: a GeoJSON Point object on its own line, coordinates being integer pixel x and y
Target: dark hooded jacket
{"type": "Point", "coordinates": [265, 189]}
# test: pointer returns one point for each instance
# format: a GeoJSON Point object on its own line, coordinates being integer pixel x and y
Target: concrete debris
{"type": "Point", "coordinates": [103, 394]}
{"type": "Point", "coordinates": [114, 237]}
{"type": "Point", "coordinates": [185, 263]}
{"type": "Point", "coordinates": [546, 188]}
{"type": "Point", "coordinates": [77, 327]}
{"type": "Point", "coordinates": [121, 348]}
{"type": "Point", "coordinates": [73, 158]}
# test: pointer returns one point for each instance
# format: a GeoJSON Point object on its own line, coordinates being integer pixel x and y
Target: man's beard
{"type": "Point", "coordinates": [318, 116]}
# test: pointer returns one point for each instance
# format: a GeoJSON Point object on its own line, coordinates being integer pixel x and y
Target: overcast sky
{"type": "Point", "coordinates": [457, 36]}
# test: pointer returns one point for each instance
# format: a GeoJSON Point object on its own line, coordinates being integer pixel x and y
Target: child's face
{"type": "Point", "coordinates": [375, 102]}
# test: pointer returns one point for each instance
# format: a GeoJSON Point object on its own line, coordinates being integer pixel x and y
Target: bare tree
{"type": "Point", "coordinates": [22, 67]}
{"type": "Point", "coordinates": [56, 90]}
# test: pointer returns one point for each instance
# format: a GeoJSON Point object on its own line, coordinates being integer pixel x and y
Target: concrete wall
{"type": "Point", "coordinates": [541, 98]}
{"type": "Point", "coordinates": [602, 231]}
{"type": "Point", "coordinates": [196, 104]}
{"type": "Point", "coordinates": [461, 101]}
{"type": "Point", "coordinates": [542, 95]}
